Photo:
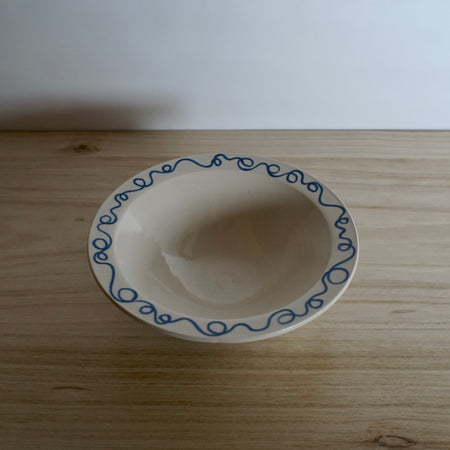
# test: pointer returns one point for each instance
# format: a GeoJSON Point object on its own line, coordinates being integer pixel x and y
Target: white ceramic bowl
{"type": "Point", "coordinates": [223, 248]}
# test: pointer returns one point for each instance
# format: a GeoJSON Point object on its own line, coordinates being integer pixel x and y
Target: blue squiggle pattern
{"type": "Point", "coordinates": [335, 275]}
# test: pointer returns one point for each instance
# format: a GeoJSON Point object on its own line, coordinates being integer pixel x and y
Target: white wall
{"type": "Point", "coordinates": [143, 64]}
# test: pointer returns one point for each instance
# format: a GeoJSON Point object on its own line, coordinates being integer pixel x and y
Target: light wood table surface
{"type": "Point", "coordinates": [373, 372]}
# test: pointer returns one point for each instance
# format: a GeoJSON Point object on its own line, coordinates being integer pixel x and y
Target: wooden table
{"type": "Point", "coordinates": [373, 372]}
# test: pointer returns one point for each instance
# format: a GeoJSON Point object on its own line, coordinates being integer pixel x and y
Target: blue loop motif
{"type": "Point", "coordinates": [335, 275]}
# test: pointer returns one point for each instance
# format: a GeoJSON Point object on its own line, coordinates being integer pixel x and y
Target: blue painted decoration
{"type": "Point", "coordinates": [335, 275]}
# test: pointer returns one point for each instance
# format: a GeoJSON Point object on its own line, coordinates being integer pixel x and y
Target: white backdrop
{"type": "Point", "coordinates": [205, 64]}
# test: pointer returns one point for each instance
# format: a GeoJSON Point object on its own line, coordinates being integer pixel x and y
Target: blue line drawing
{"type": "Point", "coordinates": [335, 275]}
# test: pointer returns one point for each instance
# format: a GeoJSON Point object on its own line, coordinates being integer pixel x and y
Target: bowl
{"type": "Point", "coordinates": [223, 248]}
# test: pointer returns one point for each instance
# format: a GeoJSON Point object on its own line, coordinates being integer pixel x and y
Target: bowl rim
{"type": "Point", "coordinates": [325, 292]}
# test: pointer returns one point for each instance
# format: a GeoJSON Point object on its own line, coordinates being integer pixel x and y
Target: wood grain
{"type": "Point", "coordinates": [373, 372]}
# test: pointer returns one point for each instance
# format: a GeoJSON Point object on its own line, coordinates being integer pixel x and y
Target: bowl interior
{"type": "Point", "coordinates": [222, 244]}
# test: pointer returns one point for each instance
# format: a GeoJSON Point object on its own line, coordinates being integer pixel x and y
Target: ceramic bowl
{"type": "Point", "coordinates": [223, 248]}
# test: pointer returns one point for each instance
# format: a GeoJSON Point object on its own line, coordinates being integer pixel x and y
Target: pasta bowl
{"type": "Point", "coordinates": [223, 248]}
